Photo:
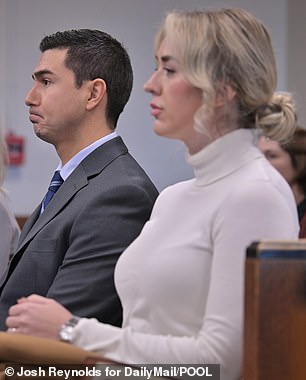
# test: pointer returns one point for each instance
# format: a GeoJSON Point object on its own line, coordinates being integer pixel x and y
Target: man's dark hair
{"type": "Point", "coordinates": [95, 54]}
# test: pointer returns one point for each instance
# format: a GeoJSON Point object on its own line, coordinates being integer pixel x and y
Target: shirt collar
{"type": "Point", "coordinates": [69, 167]}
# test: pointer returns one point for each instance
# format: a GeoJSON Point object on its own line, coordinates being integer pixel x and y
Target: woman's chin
{"type": "Point", "coordinates": [159, 129]}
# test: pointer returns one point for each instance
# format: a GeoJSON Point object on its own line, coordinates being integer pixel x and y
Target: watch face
{"type": "Point", "coordinates": [66, 333]}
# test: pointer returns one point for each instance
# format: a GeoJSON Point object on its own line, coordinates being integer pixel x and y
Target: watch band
{"type": "Point", "coordinates": [66, 332]}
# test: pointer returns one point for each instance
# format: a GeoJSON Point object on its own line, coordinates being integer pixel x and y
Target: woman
{"type": "Point", "coordinates": [9, 229]}
{"type": "Point", "coordinates": [290, 160]}
{"type": "Point", "coordinates": [181, 281]}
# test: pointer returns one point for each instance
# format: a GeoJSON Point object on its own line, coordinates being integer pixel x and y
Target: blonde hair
{"type": "Point", "coordinates": [230, 46]}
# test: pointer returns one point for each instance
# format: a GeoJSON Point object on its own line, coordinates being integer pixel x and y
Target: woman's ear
{"type": "Point", "coordinates": [224, 95]}
{"type": "Point", "coordinates": [97, 91]}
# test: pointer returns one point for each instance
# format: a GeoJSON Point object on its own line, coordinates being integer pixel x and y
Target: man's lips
{"type": "Point", "coordinates": [34, 117]}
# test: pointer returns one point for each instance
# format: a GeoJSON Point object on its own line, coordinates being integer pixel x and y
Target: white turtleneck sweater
{"type": "Point", "coordinates": [181, 282]}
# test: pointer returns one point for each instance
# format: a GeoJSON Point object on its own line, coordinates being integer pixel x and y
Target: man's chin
{"type": "Point", "coordinates": [40, 135]}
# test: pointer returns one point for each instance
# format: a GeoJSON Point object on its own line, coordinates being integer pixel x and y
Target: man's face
{"type": "Point", "coordinates": [56, 105]}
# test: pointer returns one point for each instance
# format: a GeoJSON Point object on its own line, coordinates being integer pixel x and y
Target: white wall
{"type": "Point", "coordinates": [134, 22]}
{"type": "Point", "coordinates": [296, 55]}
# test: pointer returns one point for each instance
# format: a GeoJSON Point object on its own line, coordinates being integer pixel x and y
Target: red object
{"type": "Point", "coordinates": [15, 146]}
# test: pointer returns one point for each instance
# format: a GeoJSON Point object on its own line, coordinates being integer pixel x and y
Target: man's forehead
{"type": "Point", "coordinates": [50, 62]}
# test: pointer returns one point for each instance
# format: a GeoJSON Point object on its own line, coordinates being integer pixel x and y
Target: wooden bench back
{"type": "Point", "coordinates": [275, 311]}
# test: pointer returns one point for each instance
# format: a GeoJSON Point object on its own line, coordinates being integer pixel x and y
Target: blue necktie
{"type": "Point", "coordinates": [55, 184]}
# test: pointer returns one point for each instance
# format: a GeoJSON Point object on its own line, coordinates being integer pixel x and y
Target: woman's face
{"type": "Point", "coordinates": [278, 157]}
{"type": "Point", "coordinates": [174, 99]}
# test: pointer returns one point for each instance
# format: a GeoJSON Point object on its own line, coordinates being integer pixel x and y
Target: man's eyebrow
{"type": "Point", "coordinates": [41, 73]}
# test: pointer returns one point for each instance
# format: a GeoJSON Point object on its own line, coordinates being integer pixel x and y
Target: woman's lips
{"type": "Point", "coordinates": [155, 110]}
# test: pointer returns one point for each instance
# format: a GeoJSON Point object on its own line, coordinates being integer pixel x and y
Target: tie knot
{"type": "Point", "coordinates": [56, 182]}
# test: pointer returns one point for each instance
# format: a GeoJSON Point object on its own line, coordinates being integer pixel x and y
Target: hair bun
{"type": "Point", "coordinates": [278, 118]}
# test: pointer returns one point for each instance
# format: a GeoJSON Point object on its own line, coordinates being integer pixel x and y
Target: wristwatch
{"type": "Point", "coordinates": [66, 332]}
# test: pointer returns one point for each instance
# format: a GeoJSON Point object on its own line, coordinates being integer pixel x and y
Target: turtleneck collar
{"type": "Point", "coordinates": [224, 155]}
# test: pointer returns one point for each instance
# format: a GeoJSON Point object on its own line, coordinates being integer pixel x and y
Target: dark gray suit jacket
{"type": "Point", "coordinates": [69, 252]}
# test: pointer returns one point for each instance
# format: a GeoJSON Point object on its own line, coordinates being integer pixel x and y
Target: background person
{"type": "Point", "coordinates": [68, 249]}
{"type": "Point", "coordinates": [290, 160]}
{"type": "Point", "coordinates": [9, 229]}
{"type": "Point", "coordinates": [181, 282]}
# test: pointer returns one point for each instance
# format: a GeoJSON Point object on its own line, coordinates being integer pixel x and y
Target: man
{"type": "Point", "coordinates": [68, 248]}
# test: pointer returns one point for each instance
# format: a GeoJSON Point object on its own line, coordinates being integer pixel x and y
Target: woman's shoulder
{"type": "Point", "coordinates": [178, 186]}
{"type": "Point", "coordinates": [263, 180]}
{"type": "Point", "coordinates": [261, 188]}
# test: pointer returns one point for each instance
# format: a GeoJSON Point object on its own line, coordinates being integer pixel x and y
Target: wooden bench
{"type": "Point", "coordinates": [275, 311]}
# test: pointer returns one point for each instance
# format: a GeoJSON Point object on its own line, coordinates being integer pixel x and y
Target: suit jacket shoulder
{"type": "Point", "coordinates": [70, 251]}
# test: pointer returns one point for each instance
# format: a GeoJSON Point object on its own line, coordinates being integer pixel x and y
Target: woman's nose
{"type": "Point", "coordinates": [147, 86]}
{"type": "Point", "coordinates": [151, 85]}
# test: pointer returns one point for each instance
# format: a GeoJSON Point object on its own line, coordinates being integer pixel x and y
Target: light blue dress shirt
{"type": "Point", "coordinates": [69, 167]}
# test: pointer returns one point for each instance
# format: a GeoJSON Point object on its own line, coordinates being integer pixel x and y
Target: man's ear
{"type": "Point", "coordinates": [97, 92]}
{"type": "Point", "coordinates": [224, 95]}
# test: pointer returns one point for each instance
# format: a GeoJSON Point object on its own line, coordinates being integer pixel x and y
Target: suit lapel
{"type": "Point", "coordinates": [90, 166]}
{"type": "Point", "coordinates": [76, 181]}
